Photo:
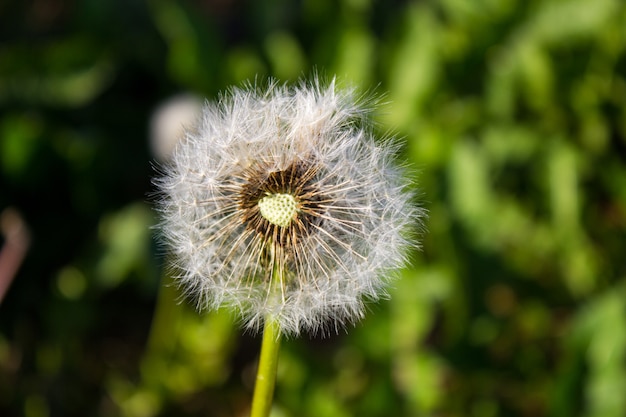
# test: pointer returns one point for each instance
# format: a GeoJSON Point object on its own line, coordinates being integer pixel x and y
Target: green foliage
{"type": "Point", "coordinates": [514, 115]}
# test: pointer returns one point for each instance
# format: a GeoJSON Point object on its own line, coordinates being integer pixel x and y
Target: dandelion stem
{"type": "Point", "coordinates": [266, 374]}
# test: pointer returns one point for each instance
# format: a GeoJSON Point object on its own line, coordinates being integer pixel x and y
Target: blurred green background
{"type": "Point", "coordinates": [514, 114]}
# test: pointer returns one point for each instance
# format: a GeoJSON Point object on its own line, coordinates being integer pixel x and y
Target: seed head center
{"type": "Point", "coordinates": [278, 209]}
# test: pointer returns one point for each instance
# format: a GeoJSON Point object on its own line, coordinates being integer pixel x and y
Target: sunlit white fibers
{"type": "Point", "coordinates": [287, 182]}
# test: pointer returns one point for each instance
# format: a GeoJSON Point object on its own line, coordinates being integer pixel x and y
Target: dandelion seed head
{"type": "Point", "coordinates": [282, 202]}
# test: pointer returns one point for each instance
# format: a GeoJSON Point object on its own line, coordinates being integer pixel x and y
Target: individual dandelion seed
{"type": "Point", "coordinates": [282, 205]}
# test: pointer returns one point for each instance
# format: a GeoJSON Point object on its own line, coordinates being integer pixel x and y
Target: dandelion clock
{"type": "Point", "coordinates": [281, 205]}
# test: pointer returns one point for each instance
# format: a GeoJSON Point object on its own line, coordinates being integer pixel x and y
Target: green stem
{"type": "Point", "coordinates": [266, 374]}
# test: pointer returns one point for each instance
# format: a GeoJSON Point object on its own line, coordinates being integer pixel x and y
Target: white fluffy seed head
{"type": "Point", "coordinates": [281, 202]}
